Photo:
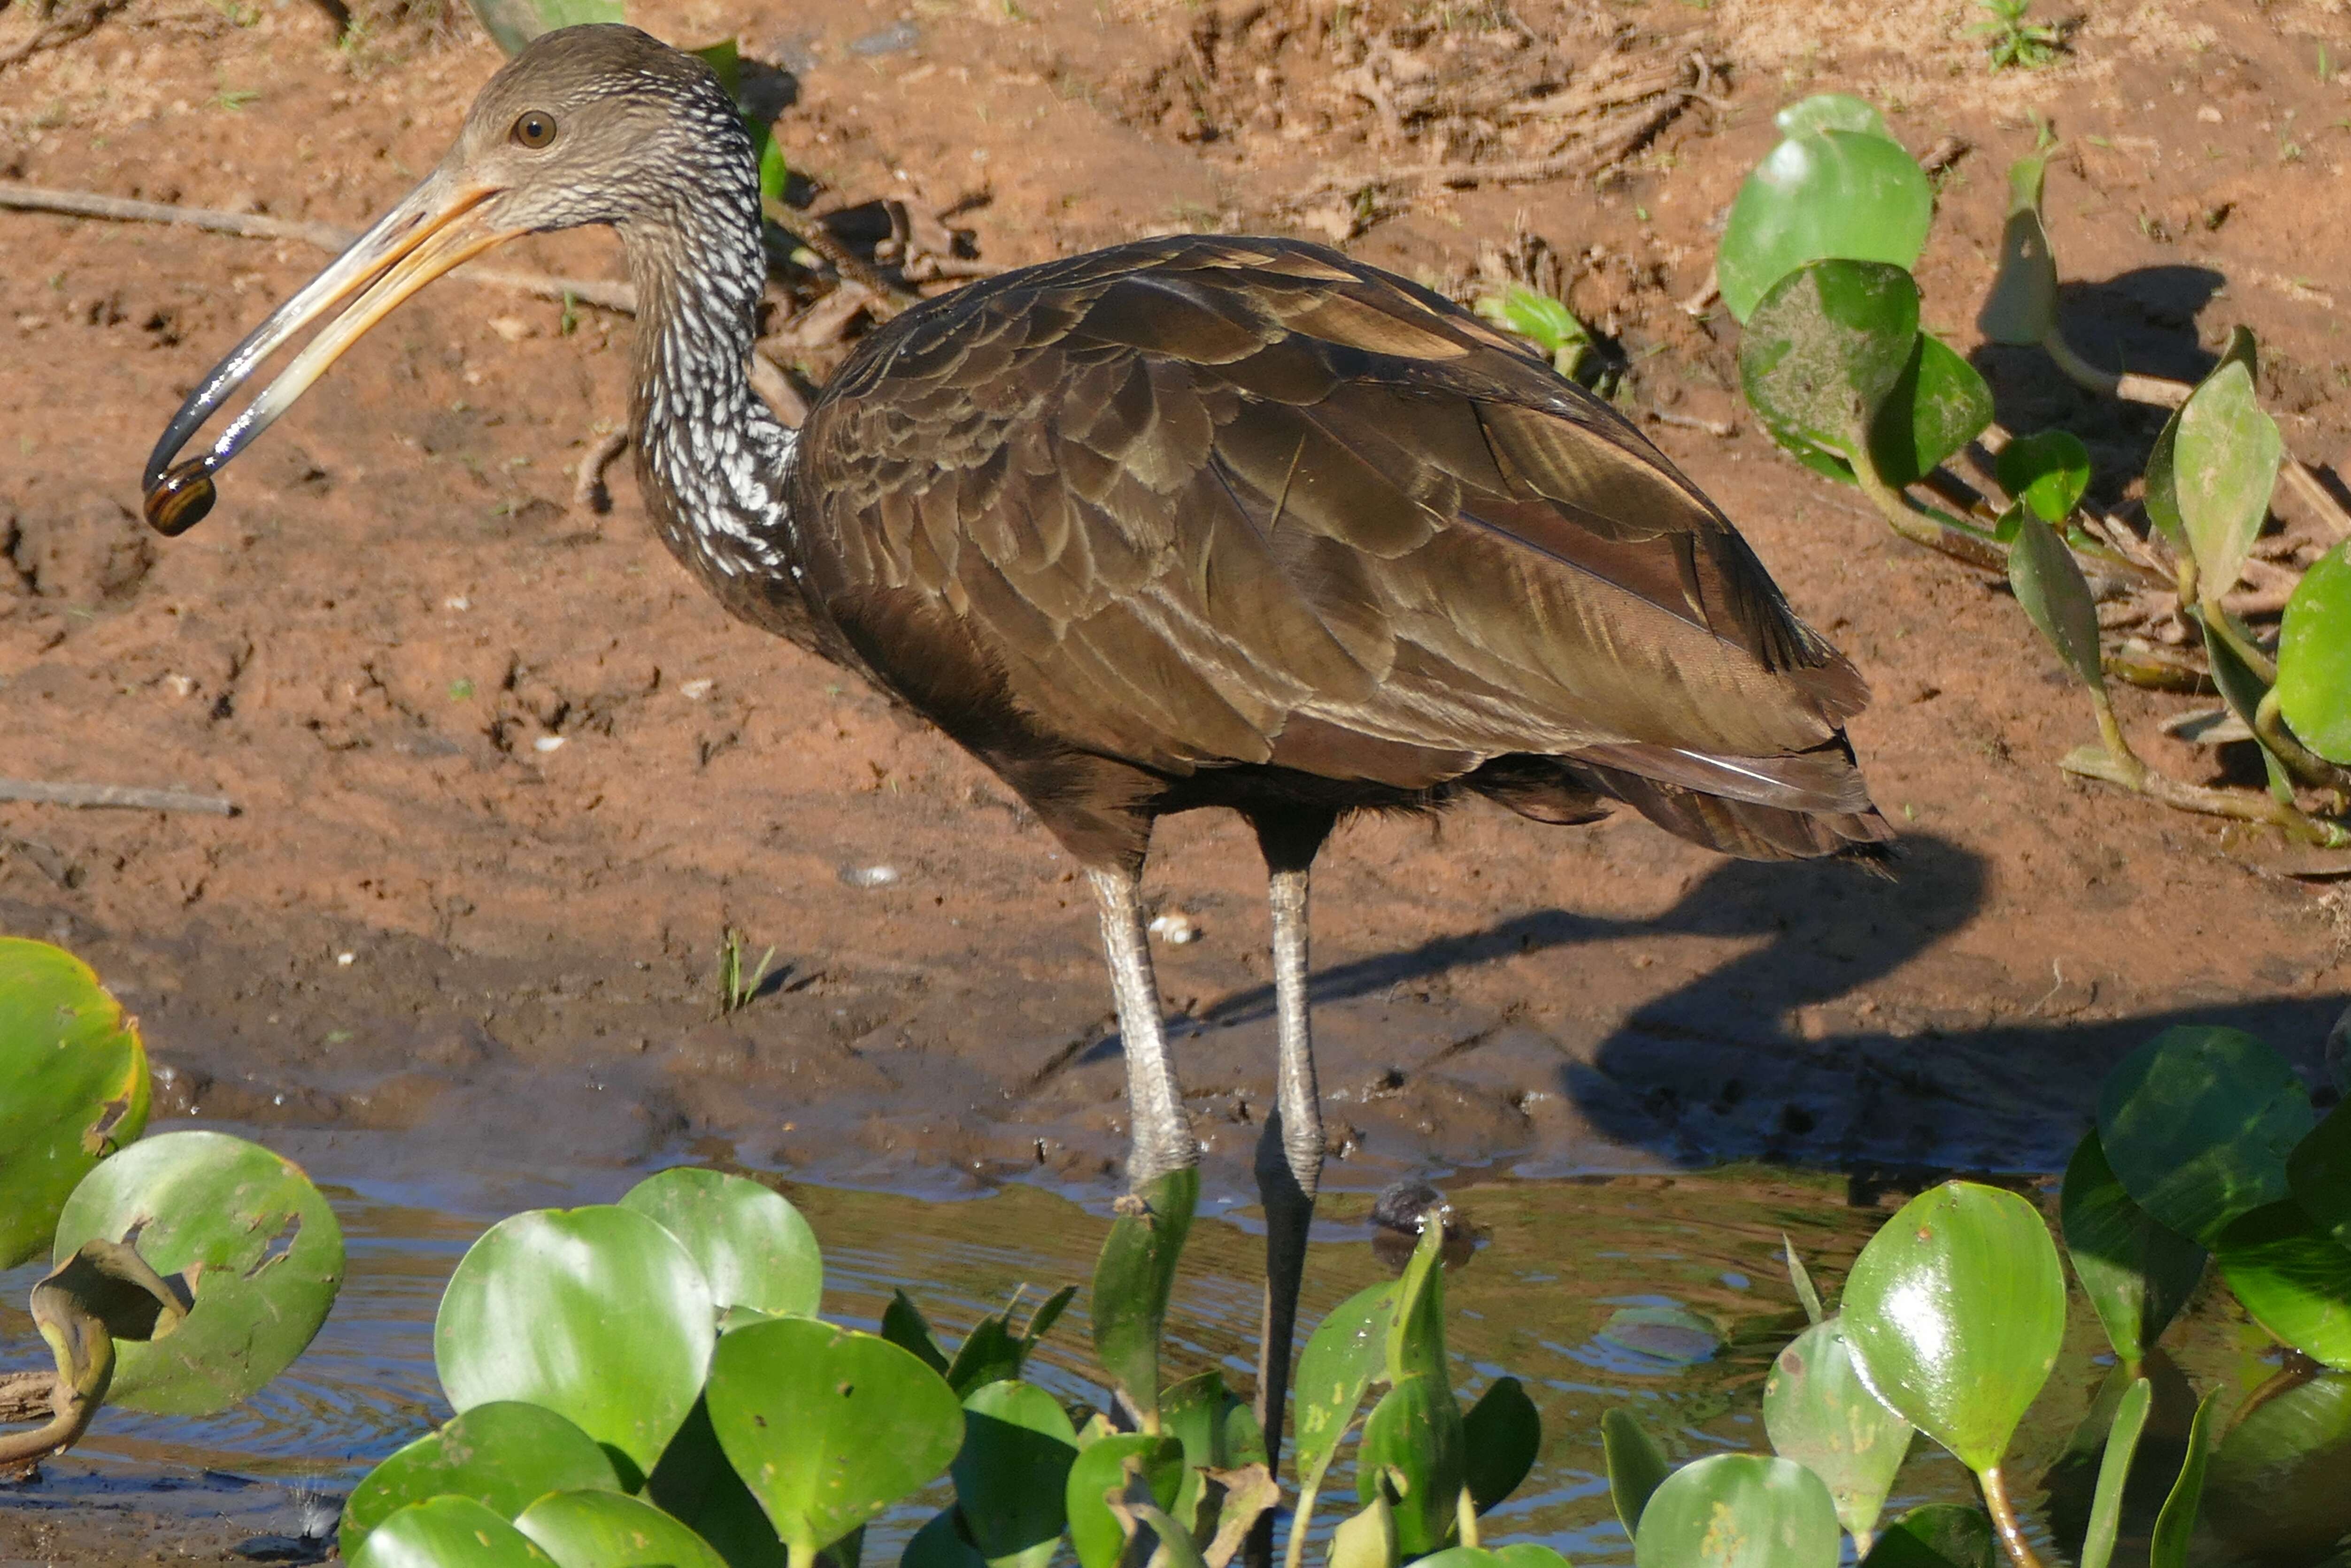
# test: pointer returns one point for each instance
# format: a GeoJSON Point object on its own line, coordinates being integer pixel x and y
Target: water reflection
{"type": "Point", "coordinates": [1557, 1260]}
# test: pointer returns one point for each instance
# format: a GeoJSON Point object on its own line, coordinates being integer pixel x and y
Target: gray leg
{"type": "Point", "coordinates": [1288, 1156]}
{"type": "Point", "coordinates": [1162, 1138]}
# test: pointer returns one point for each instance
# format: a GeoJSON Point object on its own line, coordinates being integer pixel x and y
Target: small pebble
{"type": "Point", "coordinates": [347, 959]}
{"type": "Point", "coordinates": [694, 691]}
{"type": "Point", "coordinates": [457, 601]}
{"type": "Point", "coordinates": [548, 743]}
{"type": "Point", "coordinates": [869, 875]}
{"type": "Point", "coordinates": [1175, 928]}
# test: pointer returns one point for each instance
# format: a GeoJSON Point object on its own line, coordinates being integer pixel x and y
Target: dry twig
{"type": "Point", "coordinates": [39, 792]}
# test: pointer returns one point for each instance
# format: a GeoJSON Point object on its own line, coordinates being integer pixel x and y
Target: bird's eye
{"type": "Point", "coordinates": [535, 128]}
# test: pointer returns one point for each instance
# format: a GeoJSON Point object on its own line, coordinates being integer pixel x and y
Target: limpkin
{"type": "Point", "coordinates": [1185, 522]}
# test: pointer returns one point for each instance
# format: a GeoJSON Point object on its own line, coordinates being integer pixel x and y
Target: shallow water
{"type": "Point", "coordinates": [1557, 1260]}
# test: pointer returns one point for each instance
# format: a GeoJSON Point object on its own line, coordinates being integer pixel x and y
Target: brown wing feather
{"type": "Point", "coordinates": [1205, 501]}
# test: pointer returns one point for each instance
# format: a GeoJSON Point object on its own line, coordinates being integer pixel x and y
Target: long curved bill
{"type": "Point", "coordinates": [435, 228]}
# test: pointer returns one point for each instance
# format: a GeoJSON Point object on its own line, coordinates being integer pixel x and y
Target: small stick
{"type": "Point", "coordinates": [84, 795]}
{"type": "Point", "coordinates": [1707, 293]}
{"type": "Point", "coordinates": [1721, 427]}
{"type": "Point", "coordinates": [588, 492]}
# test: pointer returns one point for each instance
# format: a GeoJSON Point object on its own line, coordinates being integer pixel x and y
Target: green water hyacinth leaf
{"type": "Point", "coordinates": [2276, 1488]}
{"type": "Point", "coordinates": [597, 1313]}
{"type": "Point", "coordinates": [1808, 1295]}
{"type": "Point", "coordinates": [1501, 1435]}
{"type": "Point", "coordinates": [1937, 1535]}
{"type": "Point", "coordinates": [2318, 1174]}
{"type": "Point", "coordinates": [940, 1544]}
{"type": "Point", "coordinates": [2049, 585]}
{"type": "Point", "coordinates": [1366, 1539]}
{"type": "Point", "coordinates": [1830, 111]}
{"type": "Point", "coordinates": [2225, 464]}
{"type": "Point", "coordinates": [696, 1485]}
{"type": "Point", "coordinates": [903, 1325]}
{"type": "Point", "coordinates": [1416, 1322]}
{"type": "Point", "coordinates": [1825, 348]}
{"type": "Point", "coordinates": [753, 1246]}
{"type": "Point", "coordinates": [1669, 1334]}
{"type": "Point", "coordinates": [2314, 659]}
{"type": "Point", "coordinates": [2137, 1273]}
{"type": "Point", "coordinates": [449, 1533]}
{"type": "Point", "coordinates": [1826, 194]}
{"type": "Point", "coordinates": [1217, 1433]}
{"type": "Point", "coordinates": [511, 24]}
{"type": "Point", "coordinates": [1955, 1312]}
{"type": "Point", "coordinates": [2293, 1279]}
{"type": "Point", "coordinates": [2176, 1525]}
{"type": "Point", "coordinates": [1132, 1280]}
{"type": "Point", "coordinates": [1412, 1441]}
{"type": "Point", "coordinates": [2198, 1122]}
{"type": "Point", "coordinates": [1939, 404]}
{"type": "Point", "coordinates": [2021, 307]}
{"type": "Point", "coordinates": [2162, 494]}
{"type": "Point", "coordinates": [2049, 471]}
{"type": "Point", "coordinates": [1518, 1554]}
{"type": "Point", "coordinates": [1013, 1470]}
{"type": "Point", "coordinates": [1095, 1533]}
{"type": "Point", "coordinates": [2114, 1471]}
{"type": "Point", "coordinates": [1347, 1349]}
{"type": "Point", "coordinates": [249, 1237]}
{"type": "Point", "coordinates": [610, 1529]}
{"type": "Point", "coordinates": [503, 1455]}
{"type": "Point", "coordinates": [1820, 1413]}
{"type": "Point", "coordinates": [1637, 1466]}
{"type": "Point", "coordinates": [828, 1426]}
{"type": "Point", "coordinates": [1738, 1510]}
{"type": "Point", "coordinates": [77, 1078]}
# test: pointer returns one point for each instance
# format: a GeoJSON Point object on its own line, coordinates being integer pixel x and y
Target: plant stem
{"type": "Point", "coordinates": [2219, 622]}
{"type": "Point", "coordinates": [1464, 1512]}
{"type": "Point", "coordinates": [799, 1556]}
{"type": "Point", "coordinates": [2123, 384]}
{"type": "Point", "coordinates": [2269, 724]}
{"type": "Point", "coordinates": [1925, 524]}
{"type": "Point", "coordinates": [2242, 805]}
{"type": "Point", "coordinates": [1295, 1553]}
{"type": "Point", "coordinates": [2003, 1517]}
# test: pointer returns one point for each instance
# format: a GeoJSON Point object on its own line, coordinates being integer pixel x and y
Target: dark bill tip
{"type": "Point", "coordinates": [179, 500]}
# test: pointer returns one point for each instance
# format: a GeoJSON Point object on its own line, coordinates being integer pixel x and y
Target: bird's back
{"type": "Point", "coordinates": [1198, 504]}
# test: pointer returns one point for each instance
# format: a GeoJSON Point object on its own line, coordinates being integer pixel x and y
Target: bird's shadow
{"type": "Point", "coordinates": [1723, 1066]}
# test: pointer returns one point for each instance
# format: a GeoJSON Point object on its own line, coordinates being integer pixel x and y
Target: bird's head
{"type": "Point", "coordinates": [598, 124]}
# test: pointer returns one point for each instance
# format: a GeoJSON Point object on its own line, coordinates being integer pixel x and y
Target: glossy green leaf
{"type": "Point", "coordinates": [2318, 1174]}
{"type": "Point", "coordinates": [1830, 111]}
{"type": "Point", "coordinates": [1416, 1345]}
{"type": "Point", "coordinates": [2197, 1123]}
{"type": "Point", "coordinates": [597, 1313]}
{"type": "Point", "coordinates": [1095, 1531]}
{"type": "Point", "coordinates": [753, 1246]}
{"type": "Point", "coordinates": [1012, 1473]}
{"type": "Point", "coordinates": [2176, 1525]}
{"type": "Point", "coordinates": [903, 1325]}
{"type": "Point", "coordinates": [2021, 307]}
{"type": "Point", "coordinates": [2294, 1278]}
{"type": "Point", "coordinates": [503, 1455]}
{"type": "Point", "coordinates": [828, 1426]}
{"type": "Point", "coordinates": [2225, 464]}
{"type": "Point", "coordinates": [989, 1354]}
{"type": "Point", "coordinates": [695, 1484]}
{"type": "Point", "coordinates": [1413, 1439]}
{"type": "Point", "coordinates": [1217, 1432]}
{"type": "Point", "coordinates": [1954, 1313]}
{"type": "Point", "coordinates": [1518, 1554]}
{"type": "Point", "coordinates": [1347, 1349]}
{"type": "Point", "coordinates": [511, 24]}
{"type": "Point", "coordinates": [2162, 494]}
{"type": "Point", "coordinates": [448, 1532]}
{"type": "Point", "coordinates": [247, 1234]}
{"type": "Point", "coordinates": [1546, 322]}
{"type": "Point", "coordinates": [1937, 1535]}
{"type": "Point", "coordinates": [1636, 1465]}
{"type": "Point", "coordinates": [2049, 585]}
{"type": "Point", "coordinates": [1738, 1510]}
{"type": "Point", "coordinates": [2114, 1473]}
{"type": "Point", "coordinates": [1500, 1436]}
{"type": "Point", "coordinates": [1366, 1539]}
{"type": "Point", "coordinates": [2314, 658]}
{"type": "Point", "coordinates": [941, 1543]}
{"type": "Point", "coordinates": [1820, 1413]}
{"type": "Point", "coordinates": [1669, 1334]}
{"type": "Point", "coordinates": [2274, 1490]}
{"type": "Point", "coordinates": [2137, 1273]}
{"type": "Point", "coordinates": [1808, 1295]}
{"type": "Point", "coordinates": [1844, 195]}
{"type": "Point", "coordinates": [1939, 404]}
{"type": "Point", "coordinates": [1825, 348]}
{"type": "Point", "coordinates": [2048, 471]}
{"type": "Point", "coordinates": [77, 1087]}
{"type": "Point", "coordinates": [610, 1529]}
{"type": "Point", "coordinates": [1132, 1280]}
